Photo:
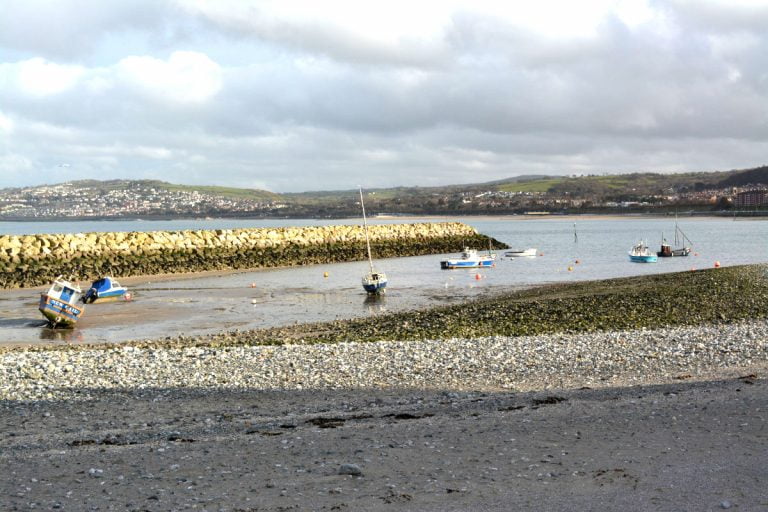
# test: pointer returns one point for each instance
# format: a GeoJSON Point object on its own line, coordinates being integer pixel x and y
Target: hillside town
{"type": "Point", "coordinates": [137, 199]}
{"type": "Point", "coordinates": [69, 200]}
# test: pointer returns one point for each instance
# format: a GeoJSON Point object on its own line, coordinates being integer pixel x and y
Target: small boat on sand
{"type": "Point", "coordinates": [105, 289]}
{"type": "Point", "coordinates": [640, 253]}
{"type": "Point", "coordinates": [523, 253]}
{"type": "Point", "coordinates": [59, 304]}
{"type": "Point", "coordinates": [469, 259]}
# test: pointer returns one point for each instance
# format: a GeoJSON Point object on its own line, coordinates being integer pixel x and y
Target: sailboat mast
{"type": "Point", "coordinates": [365, 228]}
{"type": "Point", "coordinates": [677, 244]}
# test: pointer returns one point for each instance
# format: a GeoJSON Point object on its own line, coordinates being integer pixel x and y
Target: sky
{"type": "Point", "coordinates": [293, 96]}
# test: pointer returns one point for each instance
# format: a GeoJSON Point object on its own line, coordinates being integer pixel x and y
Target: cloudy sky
{"type": "Point", "coordinates": [294, 96]}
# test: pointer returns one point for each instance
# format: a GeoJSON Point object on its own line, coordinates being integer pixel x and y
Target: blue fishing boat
{"type": "Point", "coordinates": [469, 259]}
{"type": "Point", "coordinates": [104, 290]}
{"type": "Point", "coordinates": [640, 253]}
{"type": "Point", "coordinates": [59, 304]}
{"type": "Point", "coordinates": [374, 282]}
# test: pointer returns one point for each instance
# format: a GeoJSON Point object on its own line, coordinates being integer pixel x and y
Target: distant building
{"type": "Point", "coordinates": [751, 198]}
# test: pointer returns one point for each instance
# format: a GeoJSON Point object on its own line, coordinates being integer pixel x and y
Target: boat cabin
{"type": "Point", "coordinates": [64, 291]}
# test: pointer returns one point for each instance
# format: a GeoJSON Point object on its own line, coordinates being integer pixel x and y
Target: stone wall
{"type": "Point", "coordinates": [32, 260]}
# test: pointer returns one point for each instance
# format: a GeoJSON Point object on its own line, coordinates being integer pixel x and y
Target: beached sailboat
{"type": "Point", "coordinates": [374, 282]}
{"type": "Point", "coordinates": [682, 245]}
{"type": "Point", "coordinates": [59, 304]}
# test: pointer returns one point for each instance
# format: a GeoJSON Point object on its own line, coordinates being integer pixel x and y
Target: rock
{"type": "Point", "coordinates": [350, 469]}
{"type": "Point", "coordinates": [137, 253]}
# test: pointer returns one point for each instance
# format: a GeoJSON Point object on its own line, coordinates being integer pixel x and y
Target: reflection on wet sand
{"type": "Point", "coordinates": [71, 335]}
{"type": "Point", "coordinates": [373, 304]}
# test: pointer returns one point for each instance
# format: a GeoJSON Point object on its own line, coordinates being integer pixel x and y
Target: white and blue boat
{"type": "Point", "coordinates": [59, 304]}
{"type": "Point", "coordinates": [374, 282]}
{"type": "Point", "coordinates": [104, 290]}
{"type": "Point", "coordinates": [640, 253]}
{"type": "Point", "coordinates": [469, 259]}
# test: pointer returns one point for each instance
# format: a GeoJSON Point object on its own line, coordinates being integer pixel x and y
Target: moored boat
{"type": "Point", "coordinates": [523, 253]}
{"type": "Point", "coordinates": [104, 290]}
{"type": "Point", "coordinates": [667, 251]}
{"type": "Point", "coordinates": [469, 259]}
{"type": "Point", "coordinates": [640, 253]}
{"type": "Point", "coordinates": [682, 245]}
{"type": "Point", "coordinates": [59, 304]}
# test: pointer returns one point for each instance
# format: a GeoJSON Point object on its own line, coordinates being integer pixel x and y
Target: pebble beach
{"type": "Point", "coordinates": [490, 363]}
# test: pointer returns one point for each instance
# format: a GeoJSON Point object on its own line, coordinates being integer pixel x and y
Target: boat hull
{"type": "Point", "coordinates": [106, 298]}
{"type": "Point", "coordinates": [643, 259]}
{"type": "Point", "coordinates": [374, 288]}
{"type": "Point", "coordinates": [674, 253]}
{"type": "Point", "coordinates": [527, 253]}
{"type": "Point", "coordinates": [451, 264]}
{"type": "Point", "coordinates": [59, 313]}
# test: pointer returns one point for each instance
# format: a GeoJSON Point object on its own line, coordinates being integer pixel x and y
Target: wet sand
{"type": "Point", "coordinates": [221, 301]}
{"type": "Point", "coordinates": [680, 446]}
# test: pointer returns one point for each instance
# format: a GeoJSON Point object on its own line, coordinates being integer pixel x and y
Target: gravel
{"type": "Point", "coordinates": [489, 363]}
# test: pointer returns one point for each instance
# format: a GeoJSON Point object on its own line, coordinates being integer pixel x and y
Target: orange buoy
{"type": "Point", "coordinates": [477, 277]}
{"type": "Point", "coordinates": [717, 264]}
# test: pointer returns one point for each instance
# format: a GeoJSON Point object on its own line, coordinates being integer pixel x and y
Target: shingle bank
{"type": "Point", "coordinates": [32, 260]}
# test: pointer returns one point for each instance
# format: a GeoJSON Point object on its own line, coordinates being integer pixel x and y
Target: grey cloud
{"type": "Point", "coordinates": [71, 30]}
{"type": "Point", "coordinates": [485, 101]}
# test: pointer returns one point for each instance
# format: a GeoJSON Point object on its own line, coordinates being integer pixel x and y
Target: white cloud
{"type": "Point", "coordinates": [6, 124]}
{"type": "Point", "coordinates": [184, 77]}
{"type": "Point", "coordinates": [42, 78]}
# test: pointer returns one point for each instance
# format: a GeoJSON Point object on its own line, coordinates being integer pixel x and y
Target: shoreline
{"type": "Point", "coordinates": [667, 418]}
{"type": "Point", "coordinates": [704, 297]}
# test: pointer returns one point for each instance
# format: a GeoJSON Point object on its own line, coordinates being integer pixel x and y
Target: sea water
{"type": "Point", "coordinates": [569, 249]}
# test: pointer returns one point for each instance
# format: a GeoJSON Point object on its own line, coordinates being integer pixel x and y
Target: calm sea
{"type": "Point", "coordinates": [570, 249]}
{"type": "Point", "coordinates": [600, 243]}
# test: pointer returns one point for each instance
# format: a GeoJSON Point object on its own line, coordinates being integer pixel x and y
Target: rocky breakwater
{"type": "Point", "coordinates": [33, 260]}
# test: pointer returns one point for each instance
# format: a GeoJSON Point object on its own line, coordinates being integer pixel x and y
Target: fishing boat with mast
{"type": "Point", "coordinates": [374, 282]}
{"type": "Point", "coordinates": [682, 245]}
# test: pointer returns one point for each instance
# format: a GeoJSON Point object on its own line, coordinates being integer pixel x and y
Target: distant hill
{"type": "Point", "coordinates": [756, 176]}
{"type": "Point", "coordinates": [517, 194]}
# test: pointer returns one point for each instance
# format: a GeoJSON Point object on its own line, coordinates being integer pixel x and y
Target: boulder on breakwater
{"type": "Point", "coordinates": [33, 260]}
